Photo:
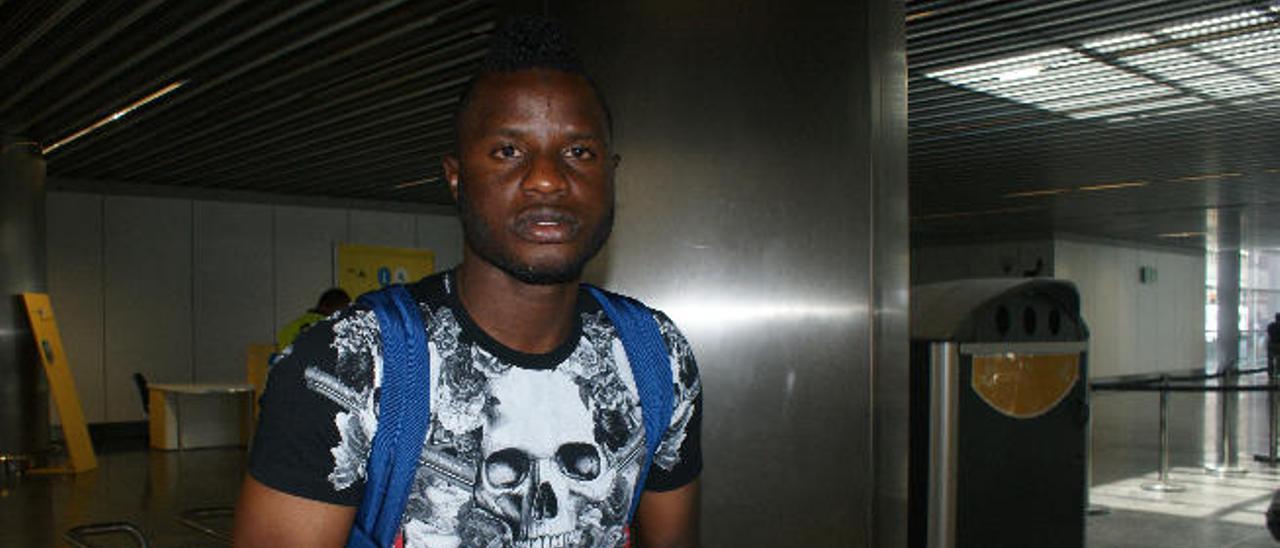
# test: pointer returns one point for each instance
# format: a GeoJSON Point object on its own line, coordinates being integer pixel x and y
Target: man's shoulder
{"type": "Point", "coordinates": [345, 347]}
{"type": "Point", "coordinates": [675, 340]}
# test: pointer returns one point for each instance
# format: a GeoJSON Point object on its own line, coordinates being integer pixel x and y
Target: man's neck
{"type": "Point", "coordinates": [529, 318]}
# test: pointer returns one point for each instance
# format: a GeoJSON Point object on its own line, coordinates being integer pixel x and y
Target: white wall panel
{"type": "Point", "coordinates": [304, 239]}
{"type": "Point", "coordinates": [442, 235]}
{"type": "Point", "coordinates": [988, 260]}
{"type": "Point", "coordinates": [75, 287]}
{"type": "Point", "coordinates": [148, 326]}
{"type": "Point", "coordinates": [233, 303]}
{"type": "Point", "coordinates": [1181, 278]}
{"type": "Point", "coordinates": [175, 288]}
{"type": "Point", "coordinates": [1137, 328]}
{"type": "Point", "coordinates": [382, 228]}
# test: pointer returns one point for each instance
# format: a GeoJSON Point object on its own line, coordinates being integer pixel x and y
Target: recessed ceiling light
{"type": "Point", "coordinates": [1121, 43]}
{"type": "Point", "coordinates": [418, 182]}
{"type": "Point", "coordinates": [1116, 78]}
{"type": "Point", "coordinates": [114, 116]}
{"type": "Point", "coordinates": [1207, 177]}
{"type": "Point", "coordinates": [920, 15]}
{"type": "Point", "coordinates": [1214, 25]}
{"type": "Point", "coordinates": [1112, 186]}
{"type": "Point", "coordinates": [959, 214]}
{"type": "Point", "coordinates": [1034, 193]}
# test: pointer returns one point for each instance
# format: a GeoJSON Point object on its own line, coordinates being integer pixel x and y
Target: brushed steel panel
{"type": "Point", "coordinates": [752, 197]}
{"type": "Point", "coordinates": [24, 393]}
{"type": "Point", "coordinates": [890, 270]}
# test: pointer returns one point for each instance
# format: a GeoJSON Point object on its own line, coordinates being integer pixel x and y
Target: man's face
{"type": "Point", "coordinates": [534, 174]}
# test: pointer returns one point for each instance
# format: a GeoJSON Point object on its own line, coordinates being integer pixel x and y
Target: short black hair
{"type": "Point", "coordinates": [333, 299]}
{"type": "Point", "coordinates": [530, 42]}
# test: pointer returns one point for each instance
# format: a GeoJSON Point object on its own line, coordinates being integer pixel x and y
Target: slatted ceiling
{"type": "Point", "coordinates": [342, 99]}
{"type": "Point", "coordinates": [1204, 79]}
{"type": "Point", "coordinates": [354, 99]}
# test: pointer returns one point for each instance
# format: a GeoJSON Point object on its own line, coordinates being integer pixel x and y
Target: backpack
{"type": "Point", "coordinates": [404, 401]}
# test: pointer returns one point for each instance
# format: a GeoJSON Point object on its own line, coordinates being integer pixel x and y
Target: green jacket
{"type": "Point", "coordinates": [289, 332]}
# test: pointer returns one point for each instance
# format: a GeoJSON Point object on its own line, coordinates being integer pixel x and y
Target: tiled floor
{"type": "Point", "coordinates": [151, 489]}
{"type": "Point", "coordinates": [148, 489]}
{"type": "Point", "coordinates": [1213, 511]}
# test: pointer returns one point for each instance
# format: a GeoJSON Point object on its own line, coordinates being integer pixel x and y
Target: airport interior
{"type": "Point", "coordinates": [956, 273]}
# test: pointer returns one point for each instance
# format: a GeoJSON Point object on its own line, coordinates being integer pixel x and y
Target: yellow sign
{"type": "Point", "coordinates": [65, 398]}
{"type": "Point", "coordinates": [364, 268]}
{"type": "Point", "coordinates": [1024, 386]}
{"type": "Point", "coordinates": [258, 358]}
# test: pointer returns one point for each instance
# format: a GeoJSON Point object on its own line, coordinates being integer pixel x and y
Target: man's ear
{"type": "Point", "coordinates": [451, 168]}
{"type": "Point", "coordinates": [615, 160]}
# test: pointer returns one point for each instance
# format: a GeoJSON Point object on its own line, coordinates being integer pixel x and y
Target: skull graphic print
{"type": "Point", "coordinates": [522, 450]}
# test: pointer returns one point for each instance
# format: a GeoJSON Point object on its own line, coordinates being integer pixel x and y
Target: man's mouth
{"type": "Point", "coordinates": [546, 225]}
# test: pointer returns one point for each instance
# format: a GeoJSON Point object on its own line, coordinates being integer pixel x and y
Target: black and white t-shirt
{"type": "Point", "coordinates": [522, 450]}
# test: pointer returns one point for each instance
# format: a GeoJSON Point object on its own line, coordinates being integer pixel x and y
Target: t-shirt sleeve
{"type": "Point", "coordinates": [678, 460]}
{"type": "Point", "coordinates": [312, 430]}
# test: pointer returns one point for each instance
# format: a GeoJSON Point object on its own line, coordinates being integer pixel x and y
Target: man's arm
{"type": "Point", "coordinates": [669, 519]}
{"type": "Point", "coordinates": [267, 517]}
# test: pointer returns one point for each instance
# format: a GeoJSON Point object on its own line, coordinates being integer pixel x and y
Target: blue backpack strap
{"type": "Point", "coordinates": [403, 414]}
{"type": "Point", "coordinates": [650, 366]}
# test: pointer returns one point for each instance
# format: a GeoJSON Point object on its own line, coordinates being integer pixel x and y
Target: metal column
{"type": "Point", "coordinates": [24, 392]}
{"type": "Point", "coordinates": [1228, 459]}
{"type": "Point", "coordinates": [944, 387]}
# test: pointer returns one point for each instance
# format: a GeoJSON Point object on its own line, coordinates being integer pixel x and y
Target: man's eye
{"type": "Point", "coordinates": [506, 151]}
{"type": "Point", "coordinates": [581, 152]}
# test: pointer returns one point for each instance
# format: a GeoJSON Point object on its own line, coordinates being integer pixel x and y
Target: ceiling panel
{"type": "Point", "coordinates": [1127, 119]}
{"type": "Point", "coordinates": [1120, 119]}
{"type": "Point", "coordinates": [339, 99]}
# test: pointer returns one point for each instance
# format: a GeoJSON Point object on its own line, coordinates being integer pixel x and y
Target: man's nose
{"type": "Point", "coordinates": [546, 175]}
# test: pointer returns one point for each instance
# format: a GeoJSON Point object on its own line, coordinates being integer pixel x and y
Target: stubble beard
{"type": "Point", "coordinates": [479, 238]}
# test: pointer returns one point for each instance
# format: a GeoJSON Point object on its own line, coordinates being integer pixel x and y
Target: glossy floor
{"type": "Point", "coordinates": [153, 489]}
{"type": "Point", "coordinates": [1213, 510]}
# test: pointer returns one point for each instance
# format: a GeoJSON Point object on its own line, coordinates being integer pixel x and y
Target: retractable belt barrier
{"type": "Point", "coordinates": [1165, 384]}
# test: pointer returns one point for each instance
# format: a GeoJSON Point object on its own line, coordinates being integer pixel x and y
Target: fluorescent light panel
{"type": "Point", "coordinates": [1065, 81]}
{"type": "Point", "coordinates": [418, 182]}
{"type": "Point", "coordinates": [1246, 18]}
{"type": "Point", "coordinates": [114, 116]}
{"type": "Point", "coordinates": [1064, 190]}
{"type": "Point", "coordinates": [1112, 186]}
{"type": "Point", "coordinates": [1034, 193]}
{"type": "Point", "coordinates": [1122, 43]}
{"type": "Point", "coordinates": [1207, 177]}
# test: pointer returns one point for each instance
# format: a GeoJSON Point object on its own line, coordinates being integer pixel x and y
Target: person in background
{"type": "Point", "coordinates": [1273, 347]}
{"type": "Point", "coordinates": [332, 300]}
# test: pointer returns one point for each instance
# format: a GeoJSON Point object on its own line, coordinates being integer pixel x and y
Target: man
{"type": "Point", "coordinates": [332, 300]}
{"type": "Point", "coordinates": [535, 420]}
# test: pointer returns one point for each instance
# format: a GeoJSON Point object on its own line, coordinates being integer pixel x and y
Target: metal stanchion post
{"type": "Point", "coordinates": [1273, 415]}
{"type": "Point", "coordinates": [1162, 483]}
{"type": "Point", "coordinates": [1091, 509]}
{"type": "Point", "coordinates": [1228, 443]}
